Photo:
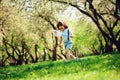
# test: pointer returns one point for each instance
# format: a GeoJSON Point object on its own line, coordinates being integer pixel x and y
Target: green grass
{"type": "Point", "coordinates": [102, 67]}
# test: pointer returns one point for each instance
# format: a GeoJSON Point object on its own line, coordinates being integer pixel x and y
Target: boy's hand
{"type": "Point", "coordinates": [72, 36]}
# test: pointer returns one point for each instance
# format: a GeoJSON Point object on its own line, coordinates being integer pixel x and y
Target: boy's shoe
{"type": "Point", "coordinates": [75, 58]}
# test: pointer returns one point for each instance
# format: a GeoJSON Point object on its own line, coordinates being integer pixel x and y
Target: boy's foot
{"type": "Point", "coordinates": [75, 58]}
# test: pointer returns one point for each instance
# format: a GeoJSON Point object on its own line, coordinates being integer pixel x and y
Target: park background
{"type": "Point", "coordinates": [29, 50]}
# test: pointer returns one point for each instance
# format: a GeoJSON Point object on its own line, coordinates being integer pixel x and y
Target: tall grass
{"type": "Point", "coordinates": [102, 67]}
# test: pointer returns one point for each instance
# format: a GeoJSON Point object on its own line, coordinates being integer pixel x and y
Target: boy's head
{"type": "Point", "coordinates": [61, 26]}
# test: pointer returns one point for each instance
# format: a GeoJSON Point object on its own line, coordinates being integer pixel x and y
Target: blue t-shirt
{"type": "Point", "coordinates": [65, 36]}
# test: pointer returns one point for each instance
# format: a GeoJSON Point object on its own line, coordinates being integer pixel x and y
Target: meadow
{"type": "Point", "coordinates": [100, 67]}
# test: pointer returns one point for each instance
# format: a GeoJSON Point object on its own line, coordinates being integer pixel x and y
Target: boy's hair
{"type": "Point", "coordinates": [62, 24]}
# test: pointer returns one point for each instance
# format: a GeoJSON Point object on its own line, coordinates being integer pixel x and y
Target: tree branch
{"type": "Point", "coordinates": [95, 12]}
{"type": "Point", "coordinates": [117, 33]}
{"type": "Point", "coordinates": [87, 14]}
{"type": "Point", "coordinates": [48, 20]}
{"type": "Point", "coordinates": [115, 23]}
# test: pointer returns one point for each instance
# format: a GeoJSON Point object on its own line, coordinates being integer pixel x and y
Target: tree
{"type": "Point", "coordinates": [24, 24]}
{"type": "Point", "coordinates": [117, 11]}
{"type": "Point", "coordinates": [102, 14]}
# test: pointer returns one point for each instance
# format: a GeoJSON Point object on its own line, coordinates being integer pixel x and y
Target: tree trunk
{"type": "Point", "coordinates": [20, 60]}
{"type": "Point", "coordinates": [118, 45]}
{"type": "Point", "coordinates": [44, 56]}
{"type": "Point", "coordinates": [36, 50]}
{"type": "Point", "coordinates": [108, 48]}
{"type": "Point", "coordinates": [28, 51]}
{"type": "Point", "coordinates": [55, 48]}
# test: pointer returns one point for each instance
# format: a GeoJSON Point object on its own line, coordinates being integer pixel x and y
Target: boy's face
{"type": "Point", "coordinates": [61, 28]}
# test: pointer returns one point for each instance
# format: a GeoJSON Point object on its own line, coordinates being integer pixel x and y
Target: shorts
{"type": "Point", "coordinates": [68, 45]}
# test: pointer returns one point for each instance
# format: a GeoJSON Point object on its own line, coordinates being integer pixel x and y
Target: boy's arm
{"type": "Point", "coordinates": [72, 35]}
{"type": "Point", "coordinates": [60, 44]}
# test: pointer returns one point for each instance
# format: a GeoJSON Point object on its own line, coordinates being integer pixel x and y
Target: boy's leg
{"type": "Point", "coordinates": [67, 51]}
{"type": "Point", "coordinates": [67, 54]}
{"type": "Point", "coordinates": [63, 57]}
{"type": "Point", "coordinates": [75, 58]}
{"type": "Point", "coordinates": [72, 55]}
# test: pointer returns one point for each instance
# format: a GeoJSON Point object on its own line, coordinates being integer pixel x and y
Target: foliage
{"type": "Point", "coordinates": [32, 21]}
{"type": "Point", "coordinates": [20, 21]}
{"type": "Point", "coordinates": [104, 18]}
{"type": "Point", "coordinates": [85, 36]}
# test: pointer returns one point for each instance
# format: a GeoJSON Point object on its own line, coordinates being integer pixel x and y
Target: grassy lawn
{"type": "Point", "coordinates": [102, 67]}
